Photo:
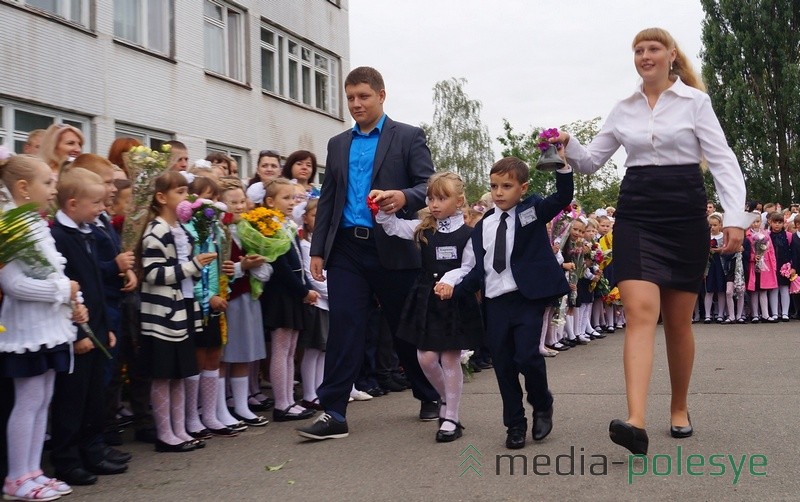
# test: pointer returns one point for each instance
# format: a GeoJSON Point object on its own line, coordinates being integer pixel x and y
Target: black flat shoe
{"type": "Point", "coordinates": [77, 476]}
{"type": "Point", "coordinates": [515, 439]}
{"type": "Point", "coordinates": [629, 436]}
{"type": "Point", "coordinates": [201, 434]}
{"type": "Point", "coordinates": [448, 436]}
{"type": "Point", "coordinates": [286, 416]}
{"type": "Point", "coordinates": [163, 447]}
{"type": "Point", "coordinates": [542, 424]}
{"type": "Point", "coordinates": [223, 432]}
{"type": "Point", "coordinates": [682, 431]}
{"type": "Point", "coordinates": [106, 468]}
{"type": "Point", "coordinates": [198, 444]}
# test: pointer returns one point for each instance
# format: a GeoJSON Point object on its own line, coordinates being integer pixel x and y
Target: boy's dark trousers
{"type": "Point", "coordinates": [77, 419]}
{"type": "Point", "coordinates": [513, 330]}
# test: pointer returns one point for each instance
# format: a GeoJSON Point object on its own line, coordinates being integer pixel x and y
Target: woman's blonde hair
{"type": "Point", "coordinates": [50, 140]}
{"type": "Point", "coordinates": [445, 184]}
{"type": "Point", "coordinates": [681, 66]}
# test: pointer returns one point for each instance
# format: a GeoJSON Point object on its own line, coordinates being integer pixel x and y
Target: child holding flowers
{"type": "Point", "coordinates": [167, 311]}
{"type": "Point", "coordinates": [439, 327]}
{"type": "Point", "coordinates": [247, 269]}
{"type": "Point", "coordinates": [762, 276]}
{"type": "Point", "coordinates": [38, 317]}
{"type": "Point", "coordinates": [283, 300]}
{"type": "Point", "coordinates": [574, 251]}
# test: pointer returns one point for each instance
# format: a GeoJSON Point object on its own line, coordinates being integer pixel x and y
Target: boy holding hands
{"type": "Point", "coordinates": [518, 274]}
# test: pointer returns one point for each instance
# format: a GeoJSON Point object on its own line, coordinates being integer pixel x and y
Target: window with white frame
{"type": "Point", "coordinates": [240, 155]}
{"type": "Point", "coordinates": [299, 71]}
{"type": "Point", "coordinates": [224, 39]}
{"type": "Point", "coordinates": [76, 11]}
{"type": "Point", "coordinates": [153, 139]}
{"type": "Point", "coordinates": [18, 119]}
{"type": "Point", "coordinates": [146, 23]}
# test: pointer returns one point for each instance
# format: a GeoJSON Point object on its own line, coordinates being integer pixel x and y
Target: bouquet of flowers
{"type": "Point", "coordinates": [613, 297]}
{"type": "Point", "coordinates": [16, 235]}
{"type": "Point", "coordinates": [577, 255]}
{"type": "Point", "coordinates": [205, 217]}
{"type": "Point", "coordinates": [738, 276]}
{"type": "Point", "coordinates": [794, 280]}
{"type": "Point", "coordinates": [760, 245]}
{"type": "Point", "coordinates": [466, 369]}
{"type": "Point", "coordinates": [144, 166]}
{"type": "Point", "coordinates": [262, 231]}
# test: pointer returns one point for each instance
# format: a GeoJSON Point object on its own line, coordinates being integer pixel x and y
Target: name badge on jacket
{"type": "Point", "coordinates": [446, 253]}
{"type": "Point", "coordinates": [527, 216]}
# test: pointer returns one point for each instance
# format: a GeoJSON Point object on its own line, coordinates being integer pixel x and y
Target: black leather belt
{"type": "Point", "coordinates": [363, 233]}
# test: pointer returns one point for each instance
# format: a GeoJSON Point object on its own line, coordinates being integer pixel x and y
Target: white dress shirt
{"type": "Point", "coordinates": [681, 129]}
{"type": "Point", "coordinates": [498, 284]}
{"type": "Point", "coordinates": [405, 230]}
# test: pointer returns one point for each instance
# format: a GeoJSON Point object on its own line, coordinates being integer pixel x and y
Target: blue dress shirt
{"type": "Point", "coordinates": [359, 177]}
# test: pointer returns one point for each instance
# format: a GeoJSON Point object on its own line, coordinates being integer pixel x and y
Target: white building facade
{"type": "Point", "coordinates": [236, 77]}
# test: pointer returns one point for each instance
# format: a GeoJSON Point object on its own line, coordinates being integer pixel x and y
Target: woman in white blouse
{"type": "Point", "coordinates": [660, 234]}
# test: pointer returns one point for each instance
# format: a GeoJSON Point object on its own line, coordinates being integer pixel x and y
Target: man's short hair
{"type": "Point", "coordinates": [365, 75]}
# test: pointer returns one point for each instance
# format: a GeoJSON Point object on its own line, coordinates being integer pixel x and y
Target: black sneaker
{"type": "Point", "coordinates": [325, 427]}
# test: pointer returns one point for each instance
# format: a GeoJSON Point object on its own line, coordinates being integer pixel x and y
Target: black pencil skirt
{"type": "Point", "coordinates": [661, 234]}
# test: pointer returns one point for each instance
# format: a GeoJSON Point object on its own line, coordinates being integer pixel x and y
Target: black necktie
{"type": "Point", "coordinates": [499, 263]}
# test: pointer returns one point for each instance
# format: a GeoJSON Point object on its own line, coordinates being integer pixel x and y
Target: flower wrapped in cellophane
{"type": "Point", "coordinates": [263, 231]}
{"type": "Point", "coordinates": [144, 166]}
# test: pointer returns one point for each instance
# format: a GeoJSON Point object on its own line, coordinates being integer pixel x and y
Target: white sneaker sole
{"type": "Point", "coordinates": [320, 438]}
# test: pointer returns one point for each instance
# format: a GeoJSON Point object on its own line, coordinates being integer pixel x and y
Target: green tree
{"type": "Point", "coordinates": [596, 190]}
{"type": "Point", "coordinates": [751, 65]}
{"type": "Point", "coordinates": [458, 140]}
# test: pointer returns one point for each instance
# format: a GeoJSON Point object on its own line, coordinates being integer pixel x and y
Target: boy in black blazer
{"type": "Point", "coordinates": [79, 451]}
{"type": "Point", "coordinates": [519, 276]}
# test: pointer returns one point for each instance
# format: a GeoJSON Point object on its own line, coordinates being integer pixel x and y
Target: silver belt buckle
{"type": "Point", "coordinates": [361, 232]}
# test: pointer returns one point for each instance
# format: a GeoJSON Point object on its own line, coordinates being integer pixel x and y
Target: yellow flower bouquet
{"type": "Point", "coordinates": [262, 231]}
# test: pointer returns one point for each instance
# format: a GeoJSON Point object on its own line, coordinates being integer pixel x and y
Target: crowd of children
{"type": "Point", "coordinates": [213, 315]}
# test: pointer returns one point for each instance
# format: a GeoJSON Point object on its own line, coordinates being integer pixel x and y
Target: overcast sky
{"type": "Point", "coordinates": [535, 63]}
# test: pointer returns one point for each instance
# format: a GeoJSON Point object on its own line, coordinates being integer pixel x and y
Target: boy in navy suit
{"type": "Point", "coordinates": [519, 275]}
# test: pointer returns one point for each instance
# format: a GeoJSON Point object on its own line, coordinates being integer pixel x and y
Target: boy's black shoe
{"type": "Point", "coordinates": [325, 427]}
{"type": "Point", "coordinates": [77, 476]}
{"type": "Point", "coordinates": [542, 424]}
{"type": "Point", "coordinates": [106, 467]}
{"type": "Point", "coordinates": [429, 411]}
{"type": "Point", "coordinates": [515, 439]}
{"type": "Point", "coordinates": [116, 456]}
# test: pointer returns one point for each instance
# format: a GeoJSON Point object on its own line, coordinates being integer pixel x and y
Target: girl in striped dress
{"type": "Point", "coordinates": [167, 269]}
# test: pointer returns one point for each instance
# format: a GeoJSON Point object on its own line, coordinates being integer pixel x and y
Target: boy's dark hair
{"type": "Point", "coordinates": [365, 75]}
{"type": "Point", "coordinates": [512, 166]}
{"type": "Point", "coordinates": [776, 216]}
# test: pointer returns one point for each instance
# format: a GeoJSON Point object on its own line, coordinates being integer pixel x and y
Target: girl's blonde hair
{"type": "Point", "coordinates": [445, 184]}
{"type": "Point", "coordinates": [275, 185]}
{"type": "Point", "coordinates": [50, 140]}
{"type": "Point", "coordinates": [716, 216]}
{"type": "Point", "coordinates": [681, 66]}
{"type": "Point", "coordinates": [18, 167]}
{"type": "Point", "coordinates": [311, 205]}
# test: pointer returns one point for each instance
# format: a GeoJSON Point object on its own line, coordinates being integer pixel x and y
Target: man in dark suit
{"type": "Point", "coordinates": [519, 276]}
{"type": "Point", "coordinates": [361, 261]}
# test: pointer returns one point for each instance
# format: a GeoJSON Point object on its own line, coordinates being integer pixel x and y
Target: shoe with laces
{"type": "Point", "coordinates": [325, 427]}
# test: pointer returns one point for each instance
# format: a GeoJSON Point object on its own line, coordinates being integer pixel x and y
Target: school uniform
{"type": "Point", "coordinates": [715, 277]}
{"type": "Point", "coordinates": [517, 295]}
{"type": "Point", "coordinates": [167, 315]}
{"type": "Point", "coordinates": [245, 334]}
{"type": "Point", "coordinates": [287, 289]}
{"type": "Point", "coordinates": [79, 397]}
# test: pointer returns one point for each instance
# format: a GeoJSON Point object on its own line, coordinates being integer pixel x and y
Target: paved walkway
{"type": "Point", "coordinates": [744, 404]}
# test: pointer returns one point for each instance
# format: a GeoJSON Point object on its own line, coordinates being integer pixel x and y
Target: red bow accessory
{"type": "Point", "coordinates": [373, 206]}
